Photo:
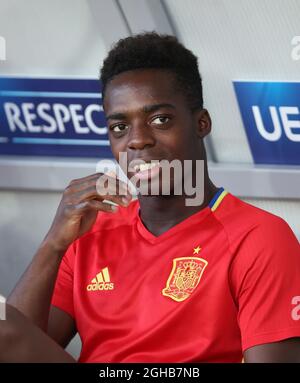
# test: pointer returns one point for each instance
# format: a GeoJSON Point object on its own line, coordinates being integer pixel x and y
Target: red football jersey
{"type": "Point", "coordinates": [225, 279]}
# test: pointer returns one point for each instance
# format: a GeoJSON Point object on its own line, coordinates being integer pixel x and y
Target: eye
{"type": "Point", "coordinates": [119, 128]}
{"type": "Point", "coordinates": [160, 120]}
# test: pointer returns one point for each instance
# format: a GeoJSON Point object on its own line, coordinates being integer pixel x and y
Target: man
{"type": "Point", "coordinates": [156, 280]}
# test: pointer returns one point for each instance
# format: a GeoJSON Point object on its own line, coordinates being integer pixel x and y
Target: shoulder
{"type": "Point", "coordinates": [242, 221]}
{"type": "Point", "coordinates": [257, 240]}
{"type": "Point", "coordinates": [235, 210]}
{"type": "Point", "coordinates": [264, 250]}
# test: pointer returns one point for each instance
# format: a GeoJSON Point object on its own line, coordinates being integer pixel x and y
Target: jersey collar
{"type": "Point", "coordinates": [193, 219]}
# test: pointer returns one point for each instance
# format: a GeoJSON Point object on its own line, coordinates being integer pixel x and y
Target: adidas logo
{"type": "Point", "coordinates": [101, 281]}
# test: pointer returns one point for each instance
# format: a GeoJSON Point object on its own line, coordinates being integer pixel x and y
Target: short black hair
{"type": "Point", "coordinates": [150, 50]}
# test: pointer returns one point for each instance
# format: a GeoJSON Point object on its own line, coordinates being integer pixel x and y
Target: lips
{"type": "Point", "coordinates": [144, 169]}
{"type": "Point", "coordinates": [148, 173]}
{"type": "Point", "coordinates": [145, 166]}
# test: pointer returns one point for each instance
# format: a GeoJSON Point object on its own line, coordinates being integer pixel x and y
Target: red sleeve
{"type": "Point", "coordinates": [63, 291]}
{"type": "Point", "coordinates": [265, 277]}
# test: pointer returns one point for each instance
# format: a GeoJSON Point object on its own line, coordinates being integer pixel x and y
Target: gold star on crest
{"type": "Point", "coordinates": [197, 249]}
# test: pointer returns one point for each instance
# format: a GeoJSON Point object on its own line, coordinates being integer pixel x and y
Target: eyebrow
{"type": "Point", "coordinates": [145, 109]}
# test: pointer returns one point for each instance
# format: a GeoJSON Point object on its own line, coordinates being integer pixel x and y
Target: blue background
{"type": "Point", "coordinates": [265, 94]}
{"type": "Point", "coordinates": [84, 146]}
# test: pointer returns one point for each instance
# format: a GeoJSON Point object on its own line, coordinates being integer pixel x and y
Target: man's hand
{"type": "Point", "coordinates": [78, 209]}
{"type": "Point", "coordinates": [76, 214]}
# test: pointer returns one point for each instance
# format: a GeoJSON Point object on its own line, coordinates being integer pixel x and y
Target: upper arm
{"type": "Point", "coordinates": [61, 326]}
{"type": "Point", "coordinates": [23, 342]}
{"type": "Point", "coordinates": [286, 351]}
{"type": "Point", "coordinates": [266, 288]}
{"type": "Point", "coordinates": [61, 321]}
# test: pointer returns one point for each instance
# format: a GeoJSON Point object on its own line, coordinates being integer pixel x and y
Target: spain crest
{"type": "Point", "coordinates": [184, 277]}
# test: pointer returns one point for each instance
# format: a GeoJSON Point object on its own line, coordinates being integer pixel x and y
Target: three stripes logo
{"type": "Point", "coordinates": [101, 281]}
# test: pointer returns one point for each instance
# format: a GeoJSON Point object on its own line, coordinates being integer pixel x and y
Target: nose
{"type": "Point", "coordinates": [140, 137]}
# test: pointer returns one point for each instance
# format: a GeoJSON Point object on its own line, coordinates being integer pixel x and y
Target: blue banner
{"type": "Point", "coordinates": [271, 115]}
{"type": "Point", "coordinates": [52, 117]}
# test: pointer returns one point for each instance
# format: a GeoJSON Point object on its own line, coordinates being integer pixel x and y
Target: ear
{"type": "Point", "coordinates": [203, 123]}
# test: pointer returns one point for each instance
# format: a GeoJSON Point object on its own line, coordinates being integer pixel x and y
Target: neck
{"type": "Point", "coordinates": [160, 213]}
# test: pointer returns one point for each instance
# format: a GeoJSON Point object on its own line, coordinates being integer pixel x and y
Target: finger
{"type": "Point", "coordinates": [83, 183]}
{"type": "Point", "coordinates": [119, 200]}
{"type": "Point", "coordinates": [84, 179]}
{"type": "Point", "coordinates": [113, 186]}
{"type": "Point", "coordinates": [96, 206]}
{"type": "Point", "coordinates": [93, 192]}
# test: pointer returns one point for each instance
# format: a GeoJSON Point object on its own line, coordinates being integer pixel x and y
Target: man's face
{"type": "Point", "coordinates": [149, 120]}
